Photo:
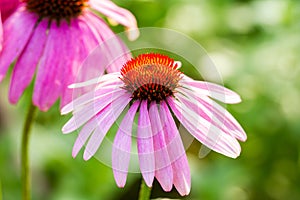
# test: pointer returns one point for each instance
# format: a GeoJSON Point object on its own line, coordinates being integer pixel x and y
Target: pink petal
{"type": "Point", "coordinates": [118, 14]}
{"type": "Point", "coordinates": [163, 167]}
{"type": "Point", "coordinates": [112, 79]}
{"type": "Point", "coordinates": [107, 79]}
{"type": "Point", "coordinates": [76, 69]}
{"type": "Point", "coordinates": [122, 146]}
{"type": "Point", "coordinates": [84, 134]}
{"type": "Point", "coordinates": [176, 151]}
{"type": "Point", "coordinates": [215, 113]}
{"type": "Point", "coordinates": [145, 145]}
{"type": "Point", "coordinates": [17, 30]}
{"type": "Point", "coordinates": [87, 130]}
{"type": "Point", "coordinates": [212, 90]}
{"type": "Point", "coordinates": [115, 50]}
{"type": "Point", "coordinates": [71, 69]}
{"type": "Point", "coordinates": [1, 33]}
{"type": "Point", "coordinates": [50, 75]}
{"type": "Point", "coordinates": [26, 64]}
{"type": "Point", "coordinates": [89, 97]}
{"type": "Point", "coordinates": [106, 118]}
{"type": "Point", "coordinates": [203, 112]}
{"type": "Point", "coordinates": [206, 133]}
{"type": "Point", "coordinates": [88, 111]}
{"type": "Point", "coordinates": [8, 7]}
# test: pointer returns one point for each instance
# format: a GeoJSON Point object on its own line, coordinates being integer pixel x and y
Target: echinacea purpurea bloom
{"type": "Point", "coordinates": [155, 90]}
{"type": "Point", "coordinates": [49, 40]}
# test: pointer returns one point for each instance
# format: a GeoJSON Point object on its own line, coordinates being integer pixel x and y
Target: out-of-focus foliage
{"type": "Point", "coordinates": [255, 45]}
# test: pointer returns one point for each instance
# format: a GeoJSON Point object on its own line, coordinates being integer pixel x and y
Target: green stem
{"type": "Point", "coordinates": [25, 173]}
{"type": "Point", "coordinates": [145, 191]}
{"type": "Point", "coordinates": [0, 191]}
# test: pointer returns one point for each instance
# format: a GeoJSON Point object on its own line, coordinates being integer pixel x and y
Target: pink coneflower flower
{"type": "Point", "coordinates": [154, 89]}
{"type": "Point", "coordinates": [56, 36]}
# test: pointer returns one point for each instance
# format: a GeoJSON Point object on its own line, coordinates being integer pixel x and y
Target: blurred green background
{"type": "Point", "coordinates": [255, 45]}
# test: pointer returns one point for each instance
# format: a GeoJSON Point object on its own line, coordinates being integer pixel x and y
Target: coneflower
{"type": "Point", "coordinates": [153, 88]}
{"type": "Point", "coordinates": [50, 40]}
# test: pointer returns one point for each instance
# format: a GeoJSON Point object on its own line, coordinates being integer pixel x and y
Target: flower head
{"type": "Point", "coordinates": [150, 76]}
{"type": "Point", "coordinates": [52, 38]}
{"type": "Point", "coordinates": [57, 10]}
{"type": "Point", "coordinates": [154, 89]}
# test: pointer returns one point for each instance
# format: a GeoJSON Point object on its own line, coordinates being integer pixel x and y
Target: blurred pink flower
{"type": "Point", "coordinates": [7, 7]}
{"type": "Point", "coordinates": [53, 39]}
{"type": "Point", "coordinates": [152, 86]}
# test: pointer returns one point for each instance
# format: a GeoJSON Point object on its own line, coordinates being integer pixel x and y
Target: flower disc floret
{"type": "Point", "coordinates": [56, 9]}
{"type": "Point", "coordinates": [151, 77]}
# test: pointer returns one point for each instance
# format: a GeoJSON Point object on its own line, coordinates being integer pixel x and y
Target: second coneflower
{"type": "Point", "coordinates": [153, 88]}
{"type": "Point", "coordinates": [52, 38]}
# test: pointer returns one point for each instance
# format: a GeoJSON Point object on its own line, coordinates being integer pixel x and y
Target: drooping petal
{"type": "Point", "coordinates": [83, 115]}
{"type": "Point", "coordinates": [27, 62]}
{"type": "Point", "coordinates": [163, 167]}
{"type": "Point", "coordinates": [107, 79]}
{"type": "Point", "coordinates": [84, 134]}
{"type": "Point", "coordinates": [215, 113]}
{"type": "Point", "coordinates": [176, 151]}
{"type": "Point", "coordinates": [145, 145]}
{"type": "Point", "coordinates": [13, 41]}
{"type": "Point", "coordinates": [80, 66]}
{"type": "Point", "coordinates": [73, 61]}
{"type": "Point", "coordinates": [212, 90]}
{"type": "Point", "coordinates": [122, 146]}
{"type": "Point", "coordinates": [118, 14]}
{"type": "Point", "coordinates": [206, 133]}
{"type": "Point", "coordinates": [207, 116]}
{"type": "Point", "coordinates": [89, 97]}
{"type": "Point", "coordinates": [49, 79]}
{"type": "Point", "coordinates": [110, 45]}
{"type": "Point", "coordinates": [106, 119]}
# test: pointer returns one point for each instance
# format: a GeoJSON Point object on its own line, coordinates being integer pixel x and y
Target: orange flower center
{"type": "Point", "coordinates": [150, 77]}
{"type": "Point", "coordinates": [56, 9]}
